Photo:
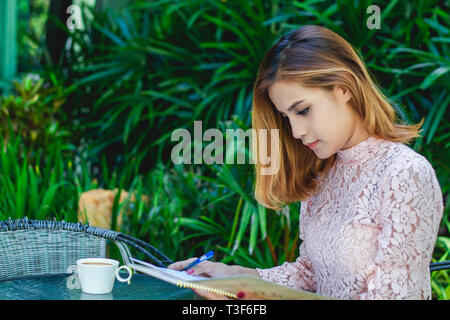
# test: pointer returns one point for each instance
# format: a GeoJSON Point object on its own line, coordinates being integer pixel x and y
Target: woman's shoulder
{"type": "Point", "coordinates": [410, 175]}
{"type": "Point", "coordinates": [410, 185]}
{"type": "Point", "coordinates": [404, 173]}
{"type": "Point", "coordinates": [401, 157]}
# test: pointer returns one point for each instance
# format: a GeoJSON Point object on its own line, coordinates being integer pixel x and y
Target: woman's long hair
{"type": "Point", "coordinates": [313, 56]}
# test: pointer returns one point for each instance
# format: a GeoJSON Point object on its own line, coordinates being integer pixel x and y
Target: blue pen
{"type": "Point", "coordinates": [204, 257]}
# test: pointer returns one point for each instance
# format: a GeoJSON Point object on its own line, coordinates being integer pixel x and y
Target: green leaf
{"type": "Point", "coordinates": [245, 218]}
{"type": "Point", "coordinates": [33, 191]}
{"type": "Point", "coordinates": [254, 225]}
{"type": "Point", "coordinates": [48, 198]}
{"type": "Point", "coordinates": [176, 101]}
{"type": "Point", "coordinates": [437, 119]}
{"type": "Point", "coordinates": [116, 39]}
{"type": "Point", "coordinates": [21, 195]}
{"type": "Point", "coordinates": [262, 220]}
{"type": "Point", "coordinates": [433, 76]}
{"type": "Point", "coordinates": [99, 75]}
{"type": "Point", "coordinates": [198, 225]}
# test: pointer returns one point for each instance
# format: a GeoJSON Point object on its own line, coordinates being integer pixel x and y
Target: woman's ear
{"type": "Point", "coordinates": [342, 93]}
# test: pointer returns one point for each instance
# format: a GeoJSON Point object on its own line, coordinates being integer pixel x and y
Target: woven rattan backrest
{"type": "Point", "coordinates": [34, 252]}
{"type": "Point", "coordinates": [35, 247]}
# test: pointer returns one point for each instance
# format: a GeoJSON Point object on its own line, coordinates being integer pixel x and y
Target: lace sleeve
{"type": "Point", "coordinates": [411, 210]}
{"type": "Point", "coordinates": [298, 274]}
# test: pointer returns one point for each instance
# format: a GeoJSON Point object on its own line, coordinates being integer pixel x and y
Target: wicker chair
{"type": "Point", "coordinates": [44, 247]}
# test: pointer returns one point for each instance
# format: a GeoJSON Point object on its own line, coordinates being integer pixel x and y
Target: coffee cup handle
{"type": "Point", "coordinates": [130, 274]}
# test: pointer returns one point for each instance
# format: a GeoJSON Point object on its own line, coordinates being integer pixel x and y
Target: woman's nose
{"type": "Point", "coordinates": [298, 132]}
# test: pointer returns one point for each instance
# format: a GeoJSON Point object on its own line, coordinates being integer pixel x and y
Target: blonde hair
{"type": "Point", "coordinates": [314, 57]}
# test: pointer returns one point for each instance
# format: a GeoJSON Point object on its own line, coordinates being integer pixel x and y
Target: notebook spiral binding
{"type": "Point", "coordinates": [190, 285]}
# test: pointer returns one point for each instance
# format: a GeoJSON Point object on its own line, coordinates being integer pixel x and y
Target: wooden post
{"type": "Point", "coordinates": [8, 43]}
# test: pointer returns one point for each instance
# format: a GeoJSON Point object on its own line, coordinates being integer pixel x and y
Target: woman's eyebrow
{"type": "Point", "coordinates": [295, 104]}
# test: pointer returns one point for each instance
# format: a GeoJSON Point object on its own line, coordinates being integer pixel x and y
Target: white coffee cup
{"type": "Point", "coordinates": [97, 275]}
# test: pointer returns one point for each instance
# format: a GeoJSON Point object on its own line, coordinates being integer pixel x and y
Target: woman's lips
{"type": "Point", "coordinates": [313, 145]}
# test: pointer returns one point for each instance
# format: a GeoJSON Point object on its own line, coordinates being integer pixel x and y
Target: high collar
{"type": "Point", "coordinates": [361, 151]}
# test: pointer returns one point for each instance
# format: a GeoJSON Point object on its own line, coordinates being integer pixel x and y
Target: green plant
{"type": "Point", "coordinates": [440, 279]}
{"type": "Point", "coordinates": [146, 80]}
{"type": "Point", "coordinates": [40, 190]}
{"type": "Point", "coordinates": [32, 112]}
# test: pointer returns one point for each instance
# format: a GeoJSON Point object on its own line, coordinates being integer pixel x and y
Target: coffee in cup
{"type": "Point", "coordinates": [97, 275]}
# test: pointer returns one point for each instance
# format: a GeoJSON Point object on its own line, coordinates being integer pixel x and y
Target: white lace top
{"type": "Point", "coordinates": [369, 232]}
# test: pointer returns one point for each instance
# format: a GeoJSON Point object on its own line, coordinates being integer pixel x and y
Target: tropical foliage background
{"type": "Point", "coordinates": [98, 112]}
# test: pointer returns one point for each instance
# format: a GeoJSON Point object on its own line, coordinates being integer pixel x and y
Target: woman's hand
{"type": "Point", "coordinates": [213, 269]}
{"type": "Point", "coordinates": [205, 269]}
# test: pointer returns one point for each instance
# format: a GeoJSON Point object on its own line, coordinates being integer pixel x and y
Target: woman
{"type": "Point", "coordinates": [370, 205]}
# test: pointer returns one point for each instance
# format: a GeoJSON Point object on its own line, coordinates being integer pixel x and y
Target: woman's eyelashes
{"type": "Point", "coordinates": [303, 112]}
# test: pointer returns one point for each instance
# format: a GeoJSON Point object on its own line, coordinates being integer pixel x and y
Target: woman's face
{"type": "Point", "coordinates": [323, 116]}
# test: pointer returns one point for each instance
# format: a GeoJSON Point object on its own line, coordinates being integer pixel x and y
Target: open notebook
{"type": "Point", "coordinates": [226, 286]}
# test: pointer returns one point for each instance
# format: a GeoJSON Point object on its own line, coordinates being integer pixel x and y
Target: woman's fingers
{"type": "Point", "coordinates": [179, 265]}
{"type": "Point", "coordinates": [206, 268]}
{"type": "Point", "coordinates": [203, 269]}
